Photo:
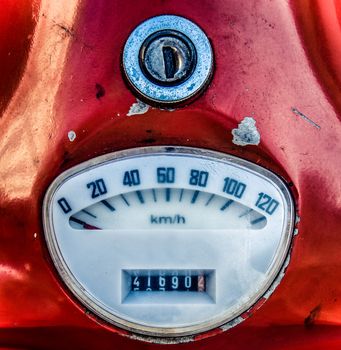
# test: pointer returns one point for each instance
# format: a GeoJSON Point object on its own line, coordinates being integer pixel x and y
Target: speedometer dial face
{"type": "Point", "coordinates": [168, 241]}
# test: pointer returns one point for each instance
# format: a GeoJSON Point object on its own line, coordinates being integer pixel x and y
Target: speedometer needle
{"type": "Point", "coordinates": [84, 224]}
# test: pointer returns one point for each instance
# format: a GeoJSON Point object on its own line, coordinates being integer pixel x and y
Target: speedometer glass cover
{"type": "Point", "coordinates": [168, 241]}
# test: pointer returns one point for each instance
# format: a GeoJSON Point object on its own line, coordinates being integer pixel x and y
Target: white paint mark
{"type": "Point", "coordinates": [138, 107]}
{"type": "Point", "coordinates": [246, 133]}
{"type": "Point", "coordinates": [35, 235]}
{"type": "Point", "coordinates": [71, 135]}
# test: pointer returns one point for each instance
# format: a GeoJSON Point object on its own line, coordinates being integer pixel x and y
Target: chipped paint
{"type": "Point", "coordinates": [138, 107]}
{"type": "Point", "coordinates": [246, 133]}
{"type": "Point", "coordinates": [232, 323]}
{"type": "Point", "coordinates": [71, 135]}
{"type": "Point", "coordinates": [278, 279]}
{"type": "Point", "coordinates": [165, 340]}
{"type": "Point", "coordinates": [304, 117]}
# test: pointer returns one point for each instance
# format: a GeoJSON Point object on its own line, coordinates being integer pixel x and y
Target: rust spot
{"type": "Point", "coordinates": [65, 160]}
{"type": "Point", "coordinates": [100, 92]}
{"type": "Point", "coordinates": [309, 321]}
{"type": "Point", "coordinates": [150, 140]}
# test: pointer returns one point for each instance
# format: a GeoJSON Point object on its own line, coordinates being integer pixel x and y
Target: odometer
{"type": "Point", "coordinates": [166, 281]}
{"type": "Point", "coordinates": [168, 241]}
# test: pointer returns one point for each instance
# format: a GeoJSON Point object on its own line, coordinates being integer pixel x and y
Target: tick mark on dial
{"type": "Point", "coordinates": [209, 200]}
{"type": "Point", "coordinates": [195, 197]}
{"type": "Point", "coordinates": [108, 205]}
{"type": "Point", "coordinates": [181, 194]}
{"type": "Point", "coordinates": [140, 197]}
{"type": "Point", "coordinates": [168, 194]}
{"type": "Point", "coordinates": [258, 220]}
{"type": "Point", "coordinates": [226, 205]}
{"type": "Point", "coordinates": [154, 196]}
{"type": "Point", "coordinates": [90, 214]}
{"type": "Point", "coordinates": [245, 213]}
{"type": "Point", "coordinates": [125, 200]}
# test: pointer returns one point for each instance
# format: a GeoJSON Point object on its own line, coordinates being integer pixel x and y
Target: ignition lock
{"type": "Point", "coordinates": [167, 60]}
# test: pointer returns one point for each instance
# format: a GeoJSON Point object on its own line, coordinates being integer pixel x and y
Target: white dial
{"type": "Point", "coordinates": [168, 241]}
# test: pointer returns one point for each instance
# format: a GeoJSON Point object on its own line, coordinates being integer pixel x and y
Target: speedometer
{"type": "Point", "coordinates": [168, 241]}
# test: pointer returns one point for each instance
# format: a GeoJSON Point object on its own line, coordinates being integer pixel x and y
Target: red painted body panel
{"type": "Point", "coordinates": [270, 57]}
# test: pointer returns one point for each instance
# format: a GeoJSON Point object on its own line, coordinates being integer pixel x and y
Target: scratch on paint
{"type": "Point", "coordinates": [300, 114]}
{"type": "Point", "coordinates": [65, 29]}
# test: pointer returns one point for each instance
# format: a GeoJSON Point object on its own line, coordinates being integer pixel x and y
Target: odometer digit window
{"type": "Point", "coordinates": [168, 241]}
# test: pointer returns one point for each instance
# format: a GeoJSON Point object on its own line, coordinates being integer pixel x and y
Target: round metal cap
{"type": "Point", "coordinates": [167, 60]}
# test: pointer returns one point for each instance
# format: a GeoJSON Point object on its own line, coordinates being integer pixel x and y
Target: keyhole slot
{"type": "Point", "coordinates": [171, 61]}
{"type": "Point", "coordinates": [167, 58]}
